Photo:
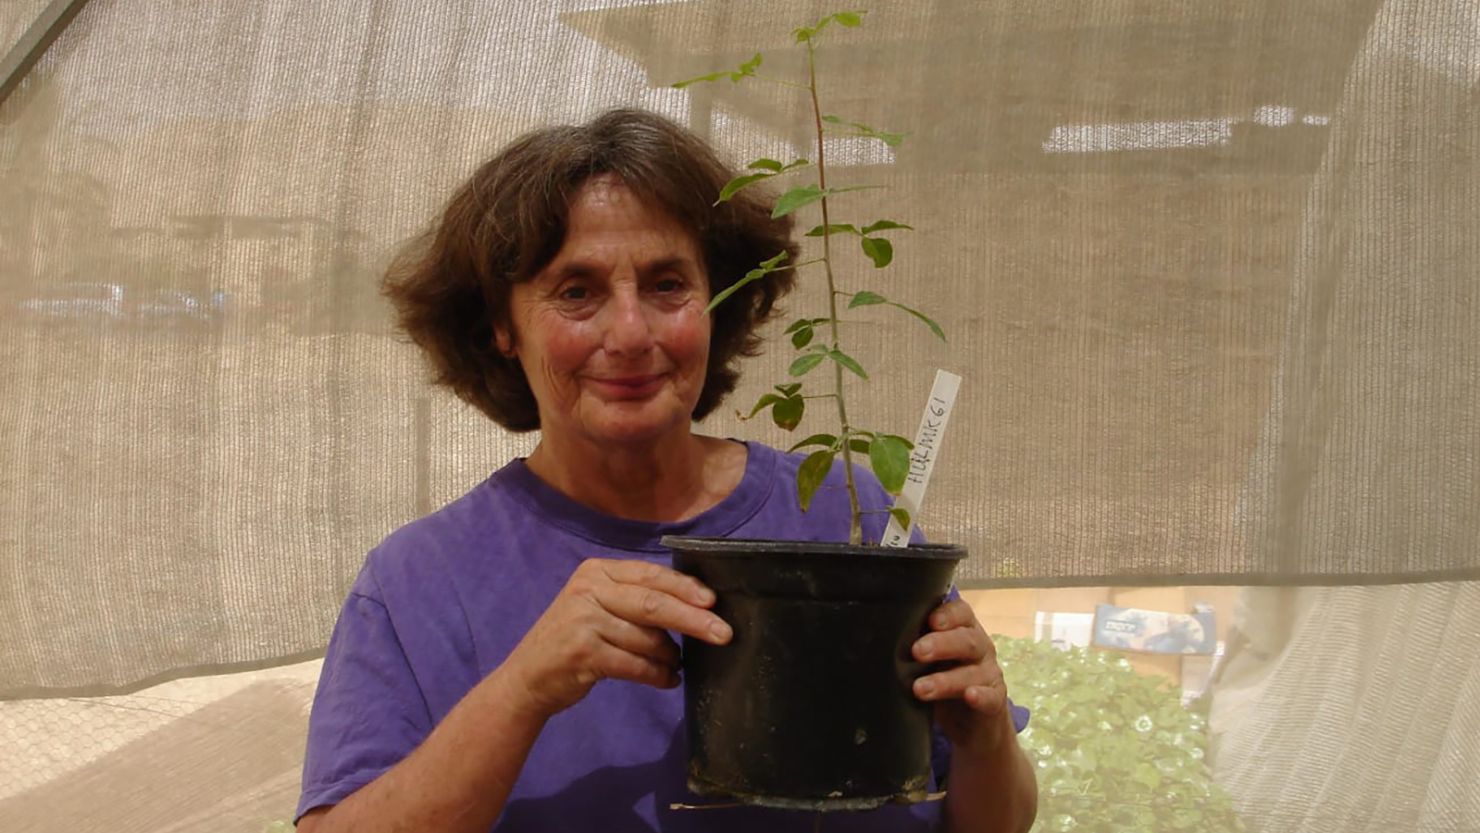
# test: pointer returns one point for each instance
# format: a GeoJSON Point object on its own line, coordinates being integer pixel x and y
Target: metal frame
{"type": "Point", "coordinates": [47, 27]}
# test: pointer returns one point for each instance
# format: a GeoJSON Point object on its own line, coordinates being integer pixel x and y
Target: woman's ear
{"type": "Point", "coordinates": [504, 341]}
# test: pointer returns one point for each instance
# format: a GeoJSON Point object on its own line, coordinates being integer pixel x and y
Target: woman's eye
{"type": "Point", "coordinates": [574, 293]}
{"type": "Point", "coordinates": [669, 285]}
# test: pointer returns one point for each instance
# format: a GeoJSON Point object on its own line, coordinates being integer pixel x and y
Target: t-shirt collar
{"type": "Point", "coordinates": [720, 520]}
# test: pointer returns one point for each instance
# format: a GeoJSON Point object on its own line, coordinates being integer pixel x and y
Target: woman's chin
{"type": "Point", "coordinates": [634, 424]}
{"type": "Point", "coordinates": [634, 436]}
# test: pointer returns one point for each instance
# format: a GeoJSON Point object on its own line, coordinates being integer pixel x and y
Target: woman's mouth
{"type": "Point", "coordinates": [629, 387]}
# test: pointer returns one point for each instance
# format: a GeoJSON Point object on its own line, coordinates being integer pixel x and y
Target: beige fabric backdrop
{"type": "Point", "coordinates": [1208, 270]}
{"type": "Point", "coordinates": [1353, 709]}
{"type": "Point", "coordinates": [1113, 204]}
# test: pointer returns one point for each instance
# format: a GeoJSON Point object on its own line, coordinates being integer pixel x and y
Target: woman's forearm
{"type": "Point", "coordinates": [993, 790]}
{"type": "Point", "coordinates": [457, 780]}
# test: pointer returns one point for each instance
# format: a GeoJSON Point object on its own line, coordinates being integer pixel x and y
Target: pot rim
{"type": "Point", "coordinates": [762, 547]}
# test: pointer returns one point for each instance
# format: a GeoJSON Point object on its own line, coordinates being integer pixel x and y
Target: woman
{"type": "Point", "coordinates": [505, 663]}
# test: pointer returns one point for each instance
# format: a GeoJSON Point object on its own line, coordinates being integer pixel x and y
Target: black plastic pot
{"type": "Point", "coordinates": [811, 706]}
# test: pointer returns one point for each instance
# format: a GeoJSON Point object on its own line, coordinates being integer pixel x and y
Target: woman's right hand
{"type": "Point", "coordinates": [610, 621]}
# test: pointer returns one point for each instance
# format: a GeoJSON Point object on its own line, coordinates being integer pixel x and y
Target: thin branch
{"type": "Point", "coordinates": [784, 83]}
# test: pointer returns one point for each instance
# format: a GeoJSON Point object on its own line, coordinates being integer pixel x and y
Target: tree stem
{"type": "Point", "coordinates": [855, 525]}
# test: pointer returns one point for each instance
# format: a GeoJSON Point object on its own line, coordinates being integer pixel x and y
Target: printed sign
{"type": "Point", "coordinates": [1154, 631]}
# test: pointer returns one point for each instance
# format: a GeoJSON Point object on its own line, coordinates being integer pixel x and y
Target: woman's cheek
{"type": "Point", "coordinates": [696, 328]}
{"type": "Point", "coordinates": [571, 346]}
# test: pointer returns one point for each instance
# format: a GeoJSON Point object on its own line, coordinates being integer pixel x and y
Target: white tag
{"type": "Point", "coordinates": [925, 453]}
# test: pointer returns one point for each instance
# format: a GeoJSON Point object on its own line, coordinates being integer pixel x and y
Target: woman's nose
{"type": "Point", "coordinates": [627, 327]}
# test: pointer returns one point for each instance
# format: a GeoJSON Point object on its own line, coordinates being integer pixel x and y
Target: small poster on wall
{"type": "Point", "coordinates": [1154, 631]}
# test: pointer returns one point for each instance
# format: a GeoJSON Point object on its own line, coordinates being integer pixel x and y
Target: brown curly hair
{"type": "Point", "coordinates": [452, 284]}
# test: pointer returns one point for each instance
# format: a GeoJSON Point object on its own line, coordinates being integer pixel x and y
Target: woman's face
{"type": "Point", "coordinates": [612, 333]}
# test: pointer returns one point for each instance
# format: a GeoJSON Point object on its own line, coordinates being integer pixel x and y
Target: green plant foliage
{"type": "Point", "coordinates": [1115, 750]}
{"type": "Point", "coordinates": [796, 198]}
{"type": "Point", "coordinates": [787, 414]}
{"type": "Point", "coordinates": [889, 138]}
{"type": "Point", "coordinates": [889, 456]}
{"type": "Point", "coordinates": [746, 70]}
{"type": "Point", "coordinates": [866, 299]}
{"type": "Point", "coordinates": [817, 339]}
{"type": "Point", "coordinates": [804, 364]}
{"type": "Point", "coordinates": [767, 168]}
{"type": "Point", "coordinates": [848, 362]}
{"type": "Point", "coordinates": [929, 322]}
{"type": "Point", "coordinates": [774, 264]}
{"type": "Point", "coordinates": [824, 440]}
{"type": "Point", "coordinates": [879, 250]}
{"type": "Point", "coordinates": [833, 228]}
{"type": "Point", "coordinates": [811, 473]}
{"type": "Point", "coordinates": [851, 20]}
{"type": "Point", "coordinates": [787, 406]}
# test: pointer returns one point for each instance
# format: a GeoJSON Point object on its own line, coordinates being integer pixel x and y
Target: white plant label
{"type": "Point", "coordinates": [925, 453]}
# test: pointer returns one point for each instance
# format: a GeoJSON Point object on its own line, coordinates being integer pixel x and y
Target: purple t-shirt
{"type": "Point", "coordinates": [442, 601]}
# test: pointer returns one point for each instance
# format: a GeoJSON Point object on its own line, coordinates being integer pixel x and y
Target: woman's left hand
{"type": "Point", "coordinates": [966, 683]}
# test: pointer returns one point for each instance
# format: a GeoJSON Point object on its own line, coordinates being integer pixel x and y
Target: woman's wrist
{"type": "Point", "coordinates": [992, 787]}
{"type": "Point", "coordinates": [990, 737]}
{"type": "Point", "coordinates": [503, 691]}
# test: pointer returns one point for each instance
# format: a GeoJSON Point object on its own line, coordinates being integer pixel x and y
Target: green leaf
{"type": "Point", "coordinates": [902, 517]}
{"type": "Point", "coordinates": [746, 70]}
{"type": "Point", "coordinates": [804, 322]}
{"type": "Point", "coordinates": [804, 364]}
{"type": "Point", "coordinates": [767, 266]}
{"type": "Point", "coordinates": [801, 338]}
{"type": "Point", "coordinates": [849, 20]}
{"type": "Point", "coordinates": [775, 166]}
{"type": "Point", "coordinates": [866, 298]}
{"type": "Point", "coordinates": [884, 225]}
{"type": "Point", "coordinates": [797, 198]}
{"type": "Point", "coordinates": [833, 228]}
{"type": "Point", "coordinates": [787, 414]}
{"type": "Point", "coordinates": [749, 67]}
{"type": "Point", "coordinates": [890, 460]}
{"type": "Point", "coordinates": [735, 185]}
{"type": "Point", "coordinates": [824, 440]}
{"type": "Point", "coordinates": [846, 361]}
{"type": "Point", "coordinates": [889, 138]}
{"type": "Point", "coordinates": [789, 389]}
{"type": "Point", "coordinates": [810, 475]}
{"type": "Point", "coordinates": [832, 191]}
{"type": "Point", "coordinates": [763, 402]}
{"type": "Point", "coordinates": [750, 277]}
{"type": "Point", "coordinates": [879, 250]}
{"type": "Point", "coordinates": [929, 322]}
{"type": "Point", "coordinates": [859, 446]}
{"type": "Point", "coordinates": [773, 262]}
{"type": "Point", "coordinates": [713, 76]}
{"type": "Point", "coordinates": [1147, 776]}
